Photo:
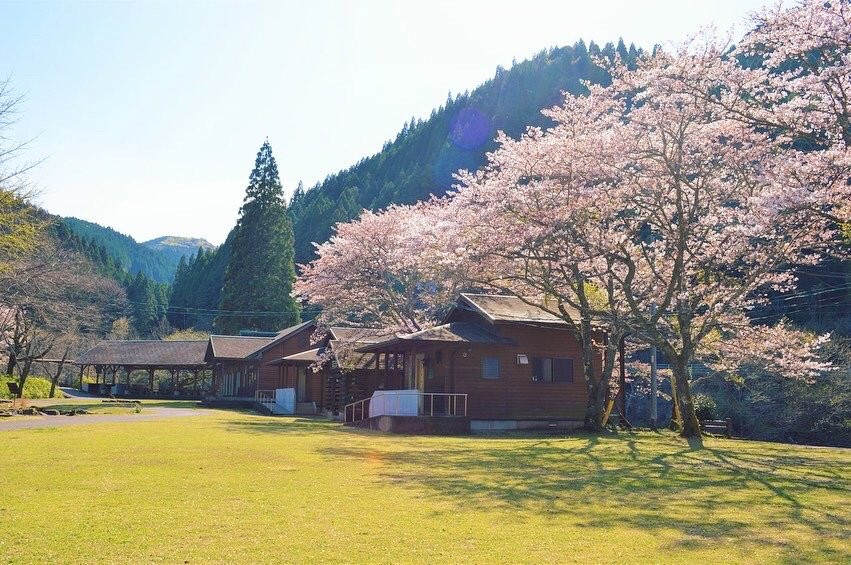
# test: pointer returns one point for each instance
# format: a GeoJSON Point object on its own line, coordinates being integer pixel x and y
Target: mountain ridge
{"type": "Point", "coordinates": [156, 258]}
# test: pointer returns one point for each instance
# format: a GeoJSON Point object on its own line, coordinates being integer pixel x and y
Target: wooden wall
{"type": "Point", "coordinates": [514, 395]}
{"type": "Point", "coordinates": [271, 376]}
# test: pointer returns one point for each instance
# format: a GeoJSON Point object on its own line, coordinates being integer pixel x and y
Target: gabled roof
{"type": "Point", "coordinates": [336, 335]}
{"type": "Point", "coordinates": [287, 333]}
{"type": "Point", "coordinates": [453, 332]}
{"type": "Point", "coordinates": [499, 308]}
{"type": "Point", "coordinates": [150, 353]}
{"type": "Point", "coordinates": [236, 346]}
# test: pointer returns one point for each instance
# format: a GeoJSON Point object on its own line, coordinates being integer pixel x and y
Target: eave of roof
{"type": "Point", "coordinates": [453, 332]}
{"type": "Point", "coordinates": [301, 358]}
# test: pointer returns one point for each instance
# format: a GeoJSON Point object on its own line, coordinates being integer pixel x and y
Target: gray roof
{"type": "Point", "coordinates": [499, 308]}
{"type": "Point", "coordinates": [150, 353]}
{"type": "Point", "coordinates": [453, 332]}
{"type": "Point", "coordinates": [235, 346]}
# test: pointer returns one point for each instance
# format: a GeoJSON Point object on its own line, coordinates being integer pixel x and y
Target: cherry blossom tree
{"type": "Point", "coordinates": [529, 229]}
{"type": "Point", "coordinates": [372, 271]}
{"type": "Point", "coordinates": [666, 189]}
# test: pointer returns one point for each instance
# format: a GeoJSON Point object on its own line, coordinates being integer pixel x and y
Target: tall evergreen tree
{"type": "Point", "coordinates": [260, 273]}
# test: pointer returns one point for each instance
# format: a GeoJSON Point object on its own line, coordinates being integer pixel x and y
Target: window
{"type": "Point", "coordinates": [490, 368]}
{"type": "Point", "coordinates": [552, 370]}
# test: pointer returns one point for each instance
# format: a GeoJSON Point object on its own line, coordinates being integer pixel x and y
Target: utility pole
{"type": "Point", "coordinates": [654, 385]}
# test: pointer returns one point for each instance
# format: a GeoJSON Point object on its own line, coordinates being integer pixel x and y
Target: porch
{"type": "Point", "coordinates": [409, 411]}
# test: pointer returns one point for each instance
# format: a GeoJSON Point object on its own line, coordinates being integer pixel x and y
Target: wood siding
{"type": "Point", "coordinates": [513, 395]}
{"type": "Point", "coordinates": [273, 376]}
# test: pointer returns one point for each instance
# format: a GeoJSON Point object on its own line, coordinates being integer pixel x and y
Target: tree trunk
{"type": "Point", "coordinates": [676, 416]}
{"type": "Point", "coordinates": [57, 374]}
{"type": "Point", "coordinates": [22, 380]}
{"type": "Point", "coordinates": [595, 384]}
{"type": "Point", "coordinates": [690, 423]}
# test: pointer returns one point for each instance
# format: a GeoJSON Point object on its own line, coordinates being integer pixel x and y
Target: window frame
{"type": "Point", "coordinates": [554, 377]}
{"type": "Point", "coordinates": [498, 367]}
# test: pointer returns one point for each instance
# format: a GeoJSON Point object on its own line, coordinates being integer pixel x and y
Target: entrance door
{"type": "Point", "coordinates": [301, 386]}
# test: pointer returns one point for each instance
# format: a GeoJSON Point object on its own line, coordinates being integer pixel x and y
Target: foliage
{"type": "Point", "coordinates": [704, 407]}
{"type": "Point", "coordinates": [34, 387]}
{"type": "Point", "coordinates": [257, 290]}
{"type": "Point", "coordinates": [197, 289]}
{"type": "Point", "coordinates": [733, 501]}
{"type": "Point", "coordinates": [20, 226]}
{"type": "Point", "coordinates": [148, 299]}
{"type": "Point", "coordinates": [770, 407]}
{"type": "Point", "coordinates": [157, 258]}
{"type": "Point", "coordinates": [187, 335]}
{"type": "Point", "coordinates": [49, 294]}
{"type": "Point", "coordinates": [372, 272]}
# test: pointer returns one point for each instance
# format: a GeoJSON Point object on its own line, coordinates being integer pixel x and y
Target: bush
{"type": "Point", "coordinates": [35, 387]}
{"type": "Point", "coordinates": [704, 406]}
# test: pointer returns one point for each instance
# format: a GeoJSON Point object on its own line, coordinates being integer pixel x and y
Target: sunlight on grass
{"type": "Point", "coordinates": [241, 487]}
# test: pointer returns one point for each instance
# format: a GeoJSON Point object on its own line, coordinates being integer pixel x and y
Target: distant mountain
{"type": "Point", "coordinates": [156, 259]}
{"type": "Point", "coordinates": [175, 247]}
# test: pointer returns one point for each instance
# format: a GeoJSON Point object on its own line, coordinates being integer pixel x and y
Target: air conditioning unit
{"type": "Point", "coordinates": [522, 359]}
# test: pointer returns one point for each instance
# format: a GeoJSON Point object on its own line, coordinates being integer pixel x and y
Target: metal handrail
{"type": "Point", "coordinates": [359, 409]}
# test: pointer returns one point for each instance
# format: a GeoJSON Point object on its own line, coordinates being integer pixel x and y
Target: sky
{"type": "Point", "coordinates": [148, 115]}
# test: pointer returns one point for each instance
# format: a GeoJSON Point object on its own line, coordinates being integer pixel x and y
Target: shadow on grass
{"type": "Point", "coordinates": [280, 425]}
{"type": "Point", "coordinates": [711, 495]}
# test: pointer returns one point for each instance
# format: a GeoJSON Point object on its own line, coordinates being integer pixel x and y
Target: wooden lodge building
{"type": "Point", "coordinates": [511, 365]}
{"type": "Point", "coordinates": [494, 363]}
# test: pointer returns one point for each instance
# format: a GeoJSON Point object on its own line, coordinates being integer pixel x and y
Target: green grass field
{"type": "Point", "coordinates": [231, 486]}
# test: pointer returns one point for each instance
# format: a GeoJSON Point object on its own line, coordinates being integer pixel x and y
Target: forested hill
{"type": "Point", "coordinates": [157, 259]}
{"type": "Point", "coordinates": [426, 153]}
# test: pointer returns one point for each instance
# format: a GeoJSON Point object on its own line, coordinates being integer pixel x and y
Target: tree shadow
{"type": "Point", "coordinates": [279, 425]}
{"type": "Point", "coordinates": [710, 495]}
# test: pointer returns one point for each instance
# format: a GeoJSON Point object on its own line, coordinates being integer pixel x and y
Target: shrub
{"type": "Point", "coordinates": [704, 406]}
{"type": "Point", "coordinates": [35, 387]}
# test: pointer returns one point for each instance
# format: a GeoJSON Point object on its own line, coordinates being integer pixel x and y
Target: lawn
{"type": "Point", "coordinates": [231, 486]}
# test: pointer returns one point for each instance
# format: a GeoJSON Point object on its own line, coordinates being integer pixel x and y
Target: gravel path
{"type": "Point", "coordinates": [147, 414]}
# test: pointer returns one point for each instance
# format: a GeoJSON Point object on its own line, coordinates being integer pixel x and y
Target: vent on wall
{"type": "Point", "coordinates": [522, 359]}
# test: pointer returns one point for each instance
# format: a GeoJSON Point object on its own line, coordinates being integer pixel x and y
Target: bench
{"type": "Point", "coordinates": [718, 427]}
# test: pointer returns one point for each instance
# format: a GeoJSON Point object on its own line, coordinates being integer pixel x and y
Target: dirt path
{"type": "Point", "coordinates": [29, 422]}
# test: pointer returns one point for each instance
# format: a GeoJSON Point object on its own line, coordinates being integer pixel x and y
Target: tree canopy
{"type": "Point", "coordinates": [257, 289]}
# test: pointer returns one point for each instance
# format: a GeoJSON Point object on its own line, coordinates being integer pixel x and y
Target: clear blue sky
{"type": "Point", "coordinates": [149, 114]}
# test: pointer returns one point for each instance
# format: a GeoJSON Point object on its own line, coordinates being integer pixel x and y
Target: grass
{"type": "Point", "coordinates": [232, 486]}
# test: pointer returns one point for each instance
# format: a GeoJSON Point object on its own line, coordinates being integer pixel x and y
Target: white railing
{"type": "Point", "coordinates": [447, 406]}
{"type": "Point", "coordinates": [265, 397]}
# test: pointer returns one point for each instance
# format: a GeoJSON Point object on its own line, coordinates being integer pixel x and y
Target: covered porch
{"type": "Point", "coordinates": [137, 368]}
